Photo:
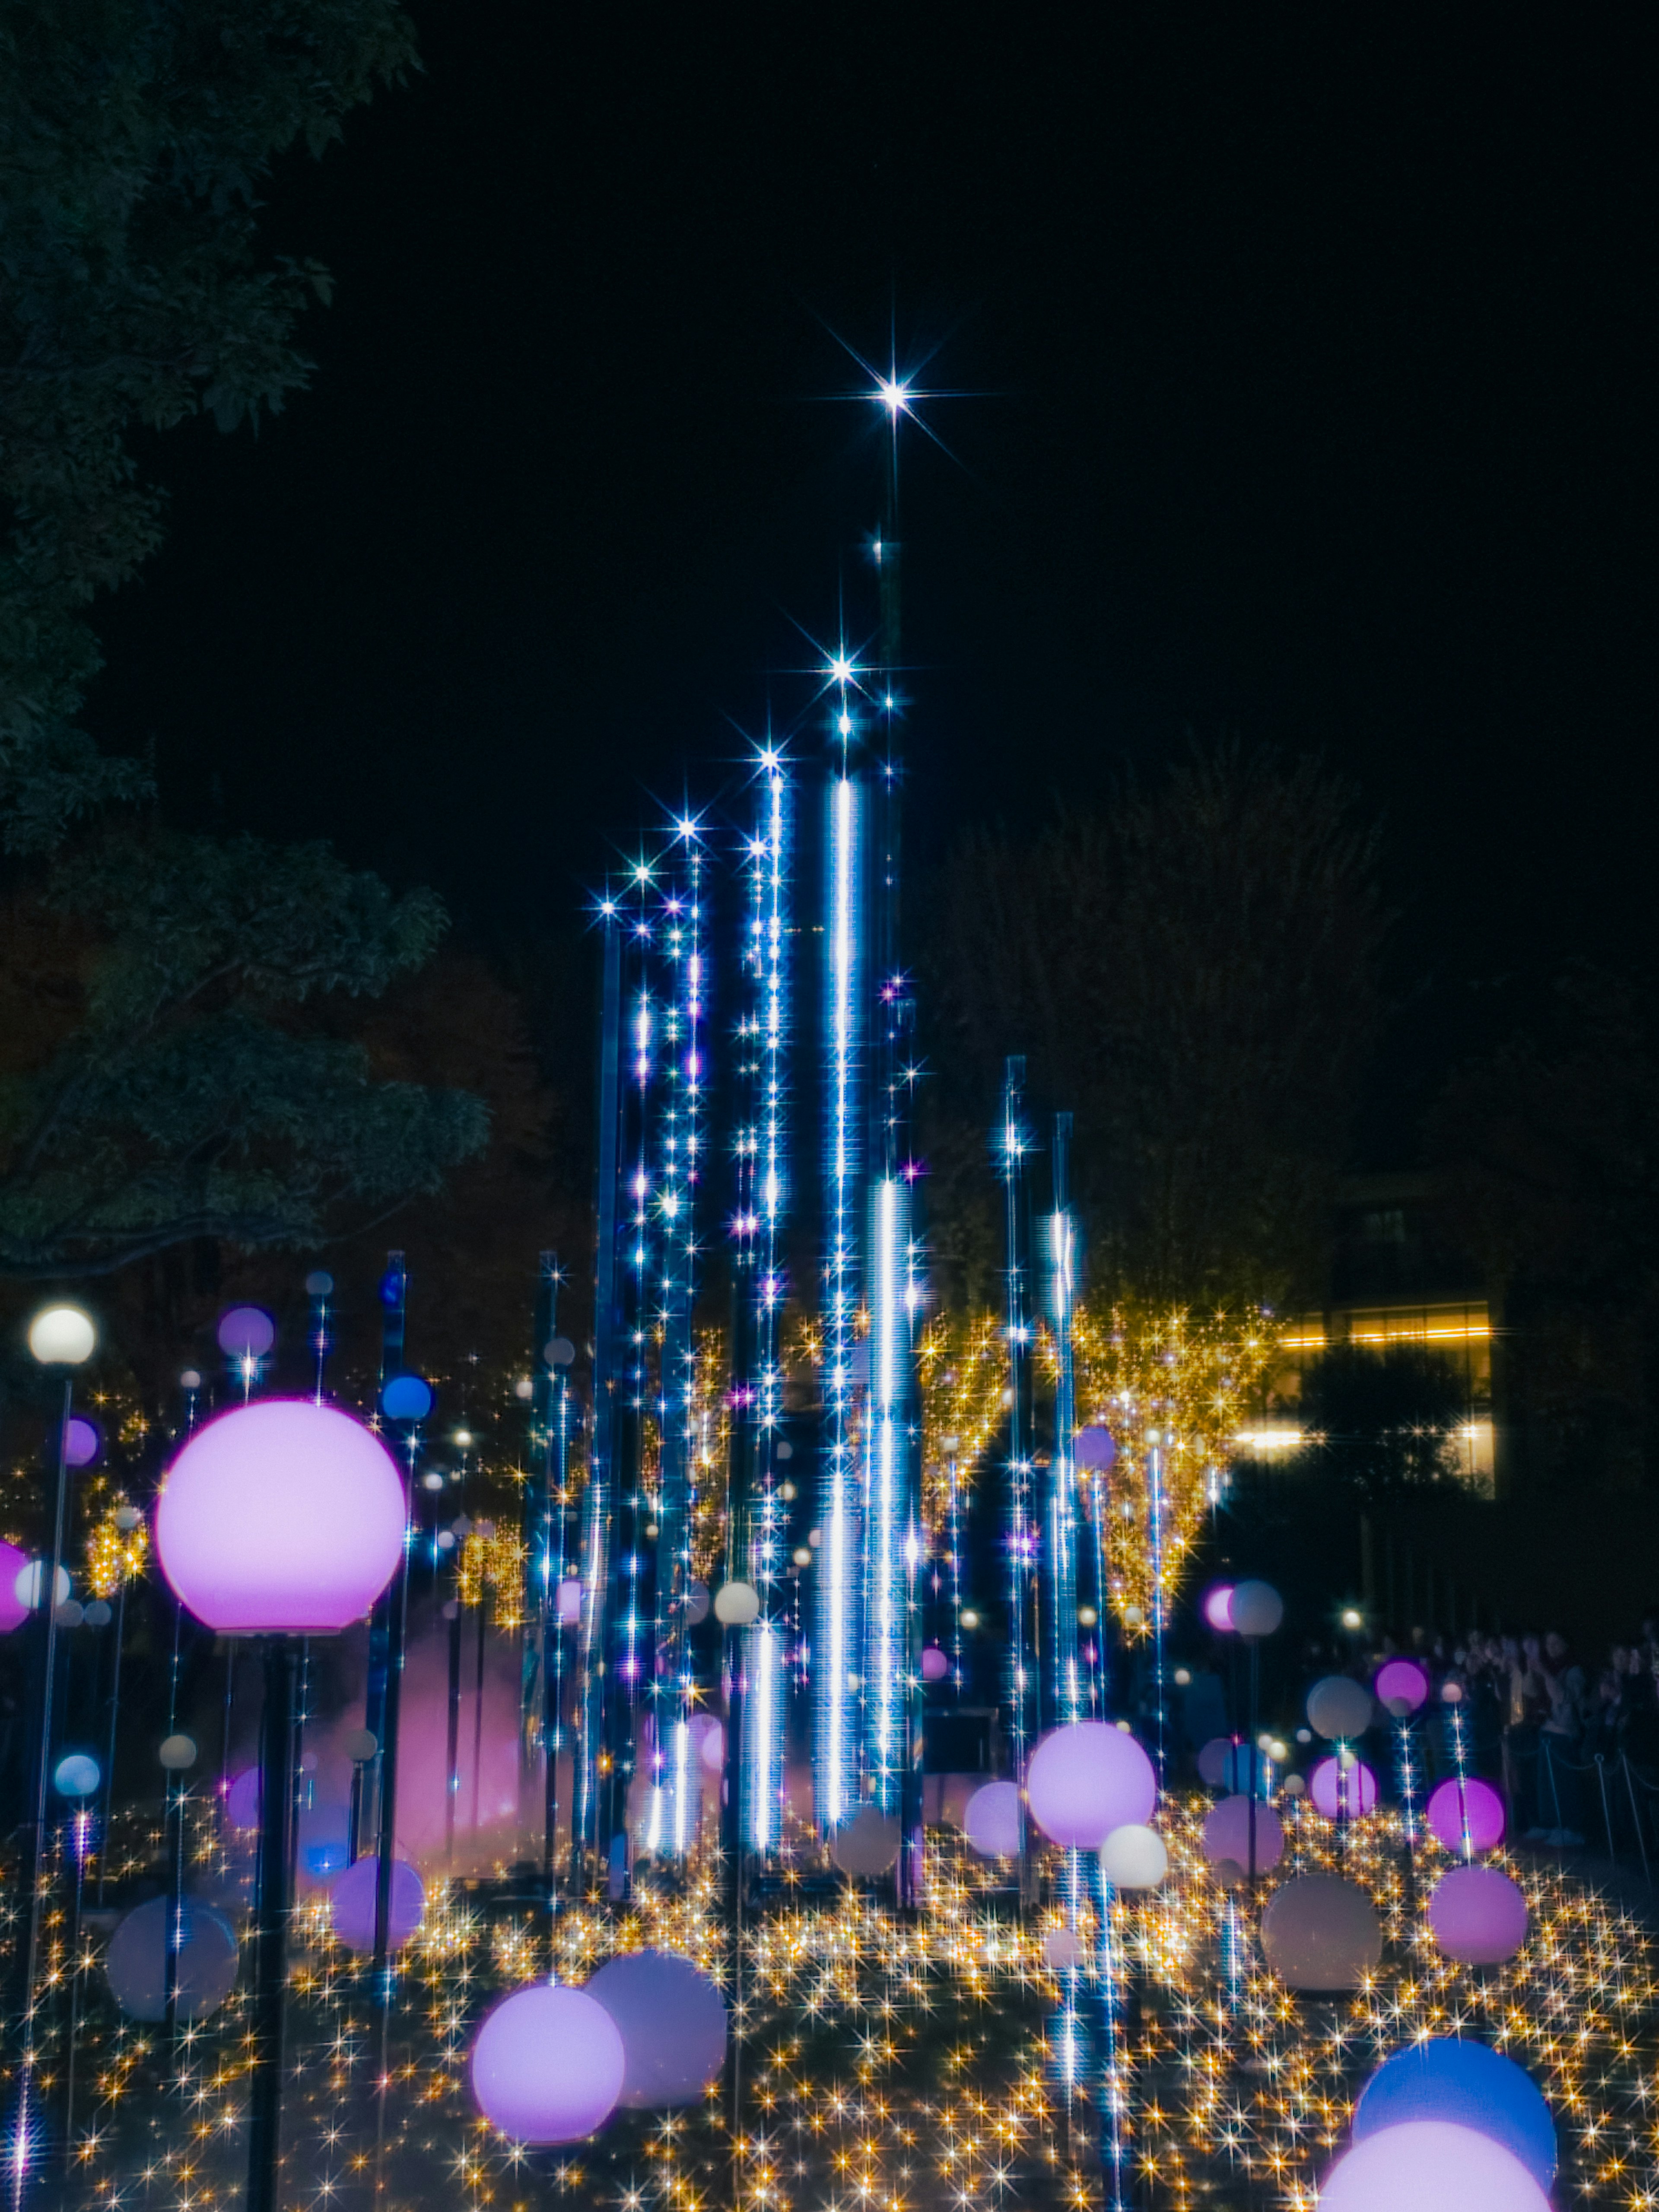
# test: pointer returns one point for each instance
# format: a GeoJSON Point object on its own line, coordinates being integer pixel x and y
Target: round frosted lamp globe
{"type": "Point", "coordinates": [281, 1516]}
{"type": "Point", "coordinates": [62, 1336]}
{"type": "Point", "coordinates": [548, 2065]}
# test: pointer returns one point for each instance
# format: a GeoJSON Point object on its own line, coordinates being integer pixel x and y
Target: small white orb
{"type": "Point", "coordinates": [62, 1336]}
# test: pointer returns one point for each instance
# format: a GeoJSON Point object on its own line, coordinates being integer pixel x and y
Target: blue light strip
{"type": "Point", "coordinates": [887, 1516]}
{"type": "Point", "coordinates": [1019, 1539]}
{"type": "Point", "coordinates": [834, 1762]}
{"type": "Point", "coordinates": [1064, 1695]}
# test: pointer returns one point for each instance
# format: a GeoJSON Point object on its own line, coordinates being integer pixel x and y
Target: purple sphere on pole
{"type": "Point", "coordinates": [246, 1333]}
{"type": "Point", "coordinates": [1430, 2165]}
{"type": "Point", "coordinates": [1402, 1686]}
{"type": "Point", "coordinates": [13, 1564]}
{"type": "Point", "coordinates": [282, 1516]}
{"type": "Point", "coordinates": [1336, 1794]}
{"type": "Point", "coordinates": [991, 1821]}
{"type": "Point", "coordinates": [351, 1904]}
{"type": "Point", "coordinates": [1087, 1778]}
{"type": "Point", "coordinates": [1218, 1608]}
{"type": "Point", "coordinates": [1479, 1805]}
{"type": "Point", "coordinates": [548, 2065]}
{"type": "Point", "coordinates": [672, 2019]}
{"type": "Point", "coordinates": [1479, 1915]}
{"type": "Point", "coordinates": [1227, 1834]}
{"type": "Point", "coordinates": [1093, 1449]}
{"type": "Point", "coordinates": [83, 1441]}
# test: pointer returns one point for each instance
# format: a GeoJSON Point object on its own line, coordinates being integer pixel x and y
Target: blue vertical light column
{"type": "Point", "coordinates": [758, 1743]}
{"type": "Point", "coordinates": [680, 1139]}
{"type": "Point", "coordinates": [631, 1653]}
{"type": "Point", "coordinates": [1014, 1145]}
{"type": "Point", "coordinates": [593, 1557]}
{"type": "Point", "coordinates": [1157, 1510]}
{"type": "Point", "coordinates": [1064, 1697]}
{"type": "Point", "coordinates": [836, 1641]}
{"type": "Point", "coordinates": [889, 1538]}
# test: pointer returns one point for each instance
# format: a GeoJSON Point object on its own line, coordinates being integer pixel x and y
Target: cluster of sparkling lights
{"type": "Point", "coordinates": [885, 2060]}
{"type": "Point", "coordinates": [1175, 1384]}
{"type": "Point", "coordinates": [116, 1554]}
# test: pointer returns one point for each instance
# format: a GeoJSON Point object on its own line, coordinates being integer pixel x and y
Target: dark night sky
{"type": "Point", "coordinates": [1307, 359]}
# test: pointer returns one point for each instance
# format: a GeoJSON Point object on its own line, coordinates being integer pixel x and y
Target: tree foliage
{"type": "Point", "coordinates": [1547, 1145]}
{"type": "Point", "coordinates": [1385, 1422]}
{"type": "Point", "coordinates": [134, 138]}
{"type": "Point", "coordinates": [1192, 974]}
{"type": "Point", "coordinates": [165, 1088]}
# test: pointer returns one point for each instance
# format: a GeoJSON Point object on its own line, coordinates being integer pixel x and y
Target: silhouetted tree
{"type": "Point", "coordinates": [1385, 1423]}
{"type": "Point", "coordinates": [1193, 974]}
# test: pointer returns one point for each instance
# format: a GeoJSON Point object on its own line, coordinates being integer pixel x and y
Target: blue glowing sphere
{"type": "Point", "coordinates": [77, 1776]}
{"type": "Point", "coordinates": [1470, 2085]}
{"type": "Point", "coordinates": [406, 1398]}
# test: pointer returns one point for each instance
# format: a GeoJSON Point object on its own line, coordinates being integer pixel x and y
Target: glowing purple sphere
{"type": "Point", "coordinates": [1227, 1834]}
{"type": "Point", "coordinates": [570, 1603]}
{"type": "Point", "coordinates": [83, 1441]}
{"type": "Point", "coordinates": [1094, 1450]}
{"type": "Point", "coordinates": [13, 1565]}
{"type": "Point", "coordinates": [991, 1821]}
{"type": "Point", "coordinates": [246, 1333]}
{"type": "Point", "coordinates": [934, 1664]}
{"type": "Point", "coordinates": [672, 2019]}
{"type": "Point", "coordinates": [1430, 2165]}
{"type": "Point", "coordinates": [282, 1515]}
{"type": "Point", "coordinates": [1342, 1796]}
{"type": "Point", "coordinates": [351, 1904]}
{"type": "Point", "coordinates": [244, 1798]}
{"type": "Point", "coordinates": [1218, 1608]}
{"type": "Point", "coordinates": [548, 2065]}
{"type": "Point", "coordinates": [1478, 1804]}
{"type": "Point", "coordinates": [1401, 1682]}
{"type": "Point", "coordinates": [1478, 1916]}
{"type": "Point", "coordinates": [1087, 1778]}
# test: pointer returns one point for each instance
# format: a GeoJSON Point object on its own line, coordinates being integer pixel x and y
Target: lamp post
{"type": "Point", "coordinates": [61, 1338]}
{"type": "Point", "coordinates": [283, 1518]}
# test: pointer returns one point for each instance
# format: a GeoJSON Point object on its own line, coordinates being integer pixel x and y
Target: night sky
{"type": "Point", "coordinates": [1302, 366]}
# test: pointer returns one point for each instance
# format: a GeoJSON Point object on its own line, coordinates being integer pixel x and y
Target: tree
{"type": "Point", "coordinates": [167, 1070]}
{"type": "Point", "coordinates": [1193, 974]}
{"type": "Point", "coordinates": [1548, 1147]}
{"type": "Point", "coordinates": [162, 1086]}
{"type": "Point", "coordinates": [134, 138]}
{"type": "Point", "coordinates": [1385, 1423]}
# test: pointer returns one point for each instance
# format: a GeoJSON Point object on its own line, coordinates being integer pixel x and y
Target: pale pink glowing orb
{"type": "Point", "coordinates": [548, 2065]}
{"type": "Point", "coordinates": [1476, 1804]}
{"type": "Point", "coordinates": [934, 1664]}
{"type": "Point", "coordinates": [1087, 1778]}
{"type": "Point", "coordinates": [1340, 1793]}
{"type": "Point", "coordinates": [1227, 1834]}
{"type": "Point", "coordinates": [1219, 1608]}
{"type": "Point", "coordinates": [1430, 2165]}
{"type": "Point", "coordinates": [14, 1612]}
{"type": "Point", "coordinates": [351, 1901]}
{"type": "Point", "coordinates": [280, 1515]}
{"type": "Point", "coordinates": [1402, 1686]}
{"type": "Point", "coordinates": [1478, 1916]}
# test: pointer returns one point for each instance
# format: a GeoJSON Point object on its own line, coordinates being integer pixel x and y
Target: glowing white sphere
{"type": "Point", "coordinates": [282, 1515]}
{"type": "Point", "coordinates": [1133, 1857]}
{"type": "Point", "coordinates": [1320, 1932]}
{"type": "Point", "coordinates": [28, 1581]}
{"type": "Point", "coordinates": [1061, 1950]}
{"type": "Point", "coordinates": [548, 2065]}
{"type": "Point", "coordinates": [1430, 2165]}
{"type": "Point", "coordinates": [736, 1604]}
{"type": "Point", "coordinates": [1087, 1778]}
{"type": "Point", "coordinates": [1339, 1707]}
{"type": "Point", "coordinates": [672, 2019]}
{"type": "Point", "coordinates": [62, 1336]}
{"type": "Point", "coordinates": [1257, 1608]}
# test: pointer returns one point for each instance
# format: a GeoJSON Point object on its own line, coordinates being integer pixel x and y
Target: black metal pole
{"type": "Point", "coordinates": [270, 1958]}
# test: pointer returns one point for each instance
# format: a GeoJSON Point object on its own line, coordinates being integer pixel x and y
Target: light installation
{"type": "Point", "coordinates": [757, 1514]}
{"type": "Point", "coordinates": [835, 1654]}
{"type": "Point", "coordinates": [1067, 1698]}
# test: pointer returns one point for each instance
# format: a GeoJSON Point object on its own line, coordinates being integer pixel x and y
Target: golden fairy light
{"type": "Point", "coordinates": [963, 1367]}
{"type": "Point", "coordinates": [492, 1558]}
{"type": "Point", "coordinates": [118, 1548]}
{"type": "Point", "coordinates": [1178, 1381]}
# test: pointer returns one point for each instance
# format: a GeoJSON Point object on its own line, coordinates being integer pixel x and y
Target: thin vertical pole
{"type": "Point", "coordinates": [270, 1958]}
{"type": "Point", "coordinates": [1012, 1144]}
